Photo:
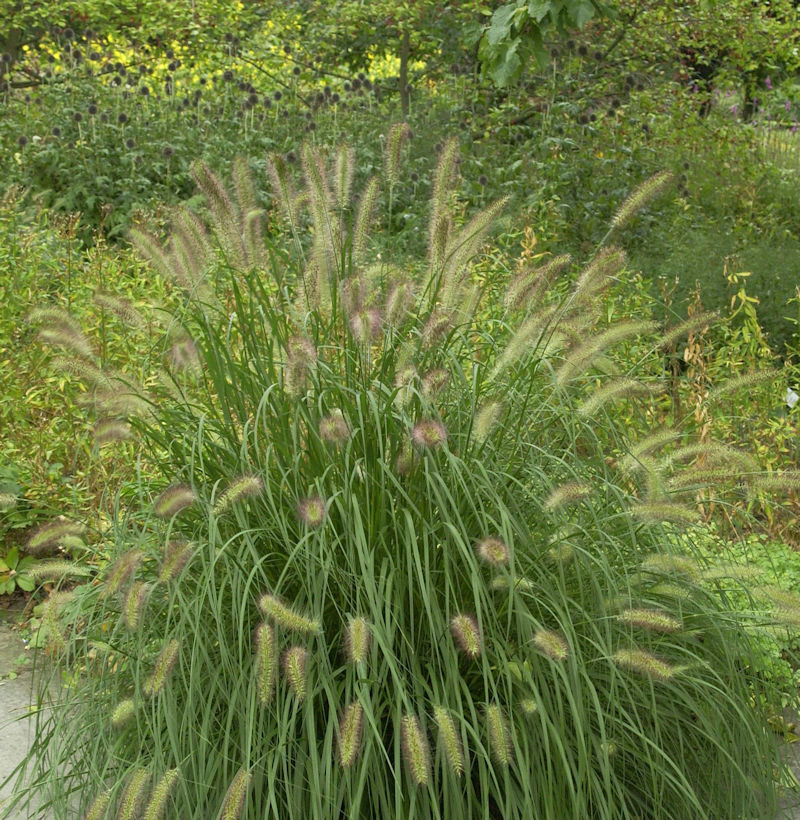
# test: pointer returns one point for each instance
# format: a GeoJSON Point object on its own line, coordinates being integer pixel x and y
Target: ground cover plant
{"type": "Point", "coordinates": [386, 566]}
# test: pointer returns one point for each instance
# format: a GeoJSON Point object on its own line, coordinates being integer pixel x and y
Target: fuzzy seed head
{"type": "Point", "coordinates": [357, 640]}
{"type": "Point", "coordinates": [450, 740]}
{"type": "Point", "coordinates": [436, 328]}
{"type": "Point", "coordinates": [99, 807]}
{"type": "Point", "coordinates": [183, 355]}
{"type": "Point", "coordinates": [429, 434]}
{"type": "Point", "coordinates": [366, 325]}
{"type": "Point", "coordinates": [570, 493]}
{"type": "Point", "coordinates": [485, 420]}
{"type": "Point", "coordinates": [405, 460]}
{"type": "Point", "coordinates": [398, 135]}
{"type": "Point", "coordinates": [246, 486]}
{"type": "Point", "coordinates": [135, 601]}
{"type": "Point", "coordinates": [123, 712]}
{"type": "Point", "coordinates": [265, 663]}
{"type": "Point", "coordinates": [529, 706]}
{"type": "Point", "coordinates": [434, 382]}
{"type": "Point", "coordinates": [398, 304]}
{"type": "Point", "coordinates": [295, 662]}
{"type": "Point", "coordinates": [285, 617]}
{"type": "Point", "coordinates": [333, 428]}
{"type": "Point", "coordinates": [659, 511]}
{"type": "Point", "coordinates": [312, 511]}
{"type": "Point", "coordinates": [639, 197]}
{"type": "Point", "coordinates": [174, 500]}
{"type": "Point", "coordinates": [109, 430]}
{"type": "Point", "coordinates": [121, 307]}
{"type": "Point", "coordinates": [466, 634]}
{"type": "Point", "coordinates": [120, 572]}
{"type": "Point", "coordinates": [493, 551]}
{"type": "Point", "coordinates": [645, 663]}
{"type": "Point", "coordinates": [551, 644]}
{"type": "Point", "coordinates": [499, 736]}
{"type": "Point", "coordinates": [50, 535]}
{"type": "Point", "coordinates": [7, 501]}
{"type": "Point", "coordinates": [233, 804]}
{"type": "Point", "coordinates": [651, 619]}
{"type": "Point", "coordinates": [133, 795]}
{"type": "Point", "coordinates": [622, 388]}
{"type": "Point", "coordinates": [669, 564]}
{"type": "Point", "coordinates": [57, 570]}
{"type": "Point", "coordinates": [162, 668]}
{"type": "Point", "coordinates": [350, 734]}
{"type": "Point", "coordinates": [415, 750]}
{"type": "Point", "coordinates": [157, 807]}
{"type": "Point", "coordinates": [176, 556]}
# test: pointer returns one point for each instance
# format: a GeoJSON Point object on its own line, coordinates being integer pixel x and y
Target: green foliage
{"type": "Point", "coordinates": [14, 572]}
{"type": "Point", "coordinates": [516, 30]}
{"type": "Point", "coordinates": [386, 555]}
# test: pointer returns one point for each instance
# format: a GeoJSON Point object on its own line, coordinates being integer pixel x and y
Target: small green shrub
{"type": "Point", "coordinates": [387, 567]}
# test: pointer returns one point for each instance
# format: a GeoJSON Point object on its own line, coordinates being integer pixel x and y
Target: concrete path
{"type": "Point", "coordinates": [15, 697]}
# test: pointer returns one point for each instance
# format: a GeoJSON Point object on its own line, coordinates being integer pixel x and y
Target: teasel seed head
{"type": "Point", "coordinates": [312, 511]}
{"type": "Point", "coordinates": [135, 601]}
{"type": "Point", "coordinates": [639, 197]}
{"type": "Point", "coordinates": [646, 664]}
{"type": "Point", "coordinates": [133, 796]}
{"type": "Point", "coordinates": [415, 750]}
{"type": "Point", "coordinates": [653, 620]}
{"type": "Point", "coordinates": [285, 617]}
{"type": "Point", "coordinates": [333, 428]}
{"type": "Point", "coordinates": [467, 634]}
{"type": "Point", "coordinates": [486, 419]}
{"type": "Point", "coordinates": [551, 644]}
{"type": "Point", "coordinates": [50, 535]}
{"type": "Point", "coordinates": [295, 663]}
{"type": "Point", "coordinates": [110, 430]}
{"type": "Point", "coordinates": [500, 746]}
{"type": "Point", "coordinates": [245, 486]}
{"type": "Point", "coordinates": [434, 382]}
{"type": "Point", "coordinates": [176, 556]}
{"type": "Point", "coordinates": [98, 810]}
{"type": "Point", "coordinates": [429, 434]}
{"type": "Point", "coordinates": [493, 551]}
{"type": "Point", "coordinates": [571, 493]}
{"type": "Point", "coordinates": [357, 640]}
{"type": "Point", "coordinates": [120, 572]}
{"type": "Point", "coordinates": [123, 712]}
{"type": "Point", "coordinates": [162, 669]}
{"type": "Point", "coordinates": [157, 807]}
{"type": "Point", "coordinates": [265, 663]}
{"type": "Point", "coordinates": [350, 724]}
{"type": "Point", "coordinates": [450, 740]}
{"type": "Point", "coordinates": [174, 500]}
{"type": "Point", "coordinates": [233, 804]}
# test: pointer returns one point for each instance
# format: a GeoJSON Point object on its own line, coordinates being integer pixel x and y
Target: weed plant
{"type": "Point", "coordinates": [387, 568]}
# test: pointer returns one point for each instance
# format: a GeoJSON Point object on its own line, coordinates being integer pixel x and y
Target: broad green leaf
{"type": "Point", "coordinates": [25, 583]}
{"type": "Point", "coordinates": [12, 558]}
{"type": "Point", "coordinates": [539, 9]}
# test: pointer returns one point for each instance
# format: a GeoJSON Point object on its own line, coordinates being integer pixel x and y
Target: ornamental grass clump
{"type": "Point", "coordinates": [396, 571]}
